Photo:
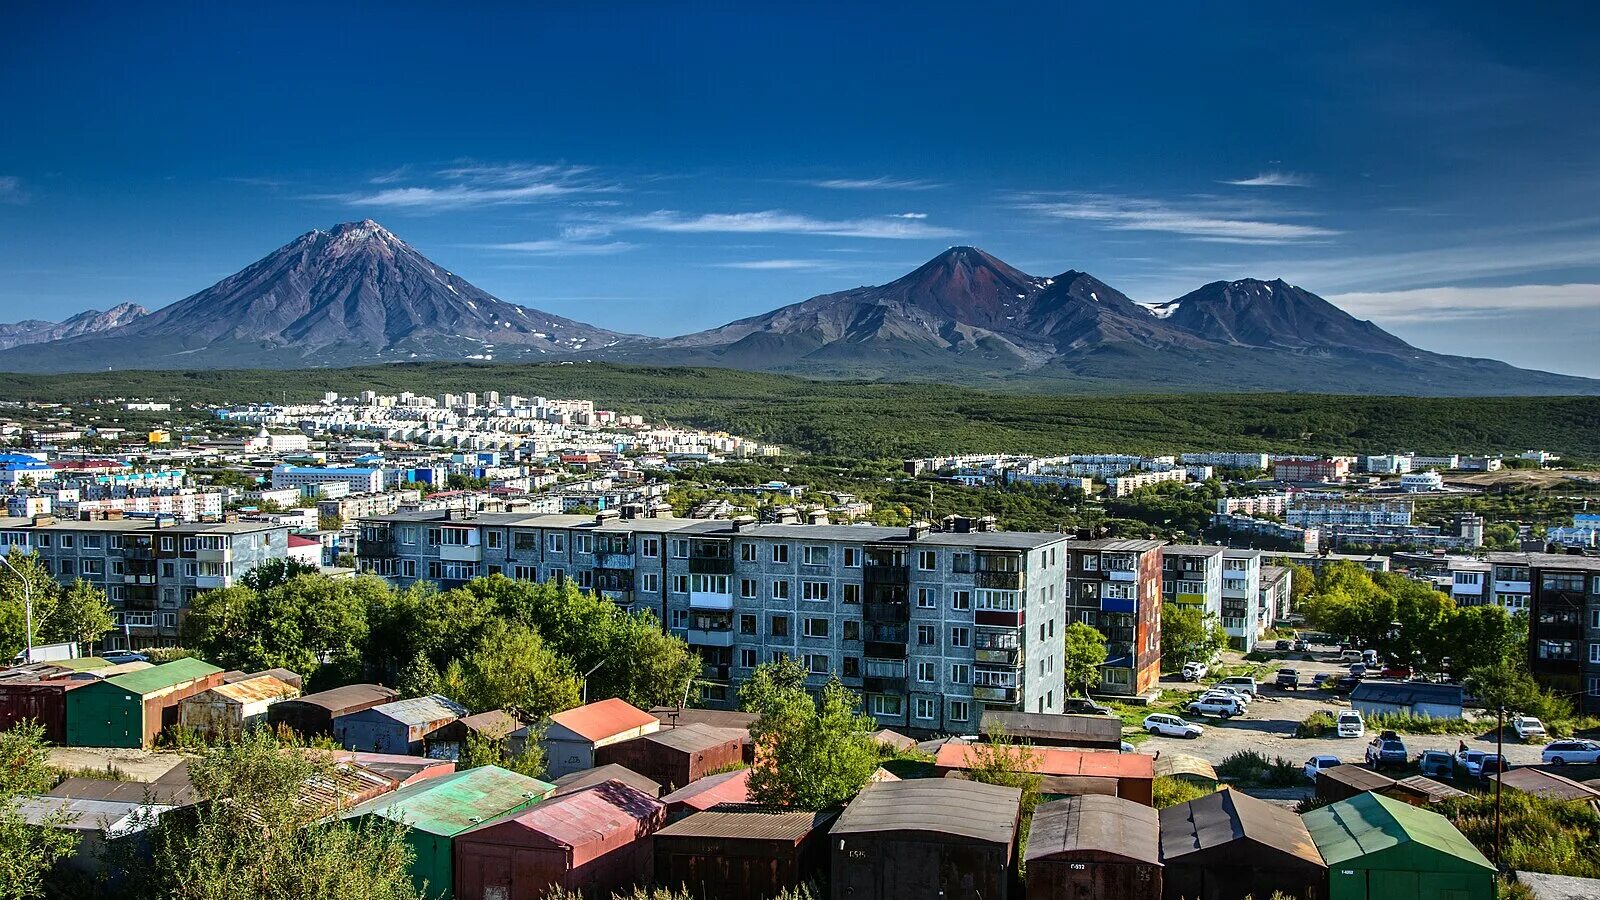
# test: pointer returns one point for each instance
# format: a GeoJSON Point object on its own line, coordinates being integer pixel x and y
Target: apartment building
{"type": "Point", "coordinates": [932, 626]}
{"type": "Point", "coordinates": [1241, 598]}
{"type": "Point", "coordinates": [1307, 512]}
{"type": "Point", "coordinates": [1228, 460]}
{"type": "Point", "coordinates": [357, 506]}
{"type": "Point", "coordinates": [311, 479]}
{"type": "Point", "coordinates": [150, 569]}
{"type": "Point", "coordinates": [1123, 485]}
{"type": "Point", "coordinates": [1564, 625]}
{"type": "Point", "coordinates": [1114, 585]}
{"type": "Point", "coordinates": [1258, 505]}
{"type": "Point", "coordinates": [1276, 594]}
{"type": "Point", "coordinates": [1336, 468]}
{"type": "Point", "coordinates": [1191, 575]}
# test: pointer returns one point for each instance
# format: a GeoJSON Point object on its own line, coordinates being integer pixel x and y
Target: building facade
{"type": "Point", "coordinates": [1241, 598]}
{"type": "Point", "coordinates": [1191, 575]}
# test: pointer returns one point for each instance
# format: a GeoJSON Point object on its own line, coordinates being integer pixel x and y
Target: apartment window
{"type": "Point", "coordinates": [166, 542]}
{"type": "Point", "coordinates": [925, 598]}
{"type": "Point", "coordinates": [747, 624]}
{"type": "Point", "coordinates": [558, 542]}
{"type": "Point", "coordinates": [780, 626]}
{"type": "Point", "coordinates": [583, 543]}
{"type": "Point", "coordinates": [927, 560]}
{"type": "Point", "coordinates": [92, 542]}
{"type": "Point", "coordinates": [926, 636]}
{"type": "Point", "coordinates": [92, 567]}
{"type": "Point", "coordinates": [67, 542]}
{"type": "Point", "coordinates": [960, 673]}
{"type": "Point", "coordinates": [925, 672]}
{"type": "Point", "coordinates": [708, 584]}
{"type": "Point", "coordinates": [69, 566]}
{"type": "Point", "coordinates": [680, 584]}
{"type": "Point", "coordinates": [15, 539]}
{"type": "Point", "coordinates": [960, 637]}
{"type": "Point", "coordinates": [852, 593]}
{"type": "Point", "coordinates": [189, 569]}
{"type": "Point", "coordinates": [1594, 686]}
{"type": "Point", "coordinates": [650, 582]}
{"type": "Point", "coordinates": [188, 544]}
{"type": "Point", "coordinates": [959, 710]}
{"type": "Point", "coordinates": [679, 548]}
{"type": "Point", "coordinates": [1594, 652]}
{"type": "Point", "coordinates": [852, 557]}
{"type": "Point", "coordinates": [961, 600]}
{"type": "Point", "coordinates": [747, 658]}
{"type": "Point", "coordinates": [747, 588]}
{"type": "Point", "coordinates": [817, 663]}
{"type": "Point", "coordinates": [852, 667]}
{"type": "Point", "coordinates": [814, 556]}
{"type": "Point", "coordinates": [747, 551]}
{"type": "Point", "coordinates": [997, 601]}
{"type": "Point", "coordinates": [1563, 582]}
{"type": "Point", "coordinates": [1594, 618]}
{"type": "Point", "coordinates": [492, 538]}
{"type": "Point", "coordinates": [925, 708]}
{"type": "Point", "coordinates": [887, 705]}
{"type": "Point", "coordinates": [650, 546]}
{"type": "Point", "coordinates": [814, 628]}
{"type": "Point", "coordinates": [780, 590]}
{"type": "Point", "coordinates": [168, 569]}
{"type": "Point", "coordinates": [814, 590]}
{"type": "Point", "coordinates": [780, 553]}
{"type": "Point", "coordinates": [852, 630]}
{"type": "Point", "coordinates": [961, 563]}
{"type": "Point", "coordinates": [778, 656]}
{"type": "Point", "coordinates": [680, 618]}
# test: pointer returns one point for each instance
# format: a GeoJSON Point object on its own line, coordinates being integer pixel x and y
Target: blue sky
{"type": "Point", "coordinates": [660, 168]}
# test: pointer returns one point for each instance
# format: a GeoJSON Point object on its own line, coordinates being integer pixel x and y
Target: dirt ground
{"type": "Point", "coordinates": [1535, 478]}
{"type": "Point", "coordinates": [137, 765]}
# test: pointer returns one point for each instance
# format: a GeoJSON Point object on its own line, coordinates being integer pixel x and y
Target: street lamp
{"type": "Point", "coordinates": [27, 605]}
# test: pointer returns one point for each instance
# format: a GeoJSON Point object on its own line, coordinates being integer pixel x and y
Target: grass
{"type": "Point", "coordinates": [109, 772]}
{"type": "Point", "coordinates": [1172, 791]}
{"type": "Point", "coordinates": [1319, 724]}
{"type": "Point", "coordinates": [1248, 768]}
{"type": "Point", "coordinates": [1539, 835]}
{"type": "Point", "coordinates": [1406, 723]}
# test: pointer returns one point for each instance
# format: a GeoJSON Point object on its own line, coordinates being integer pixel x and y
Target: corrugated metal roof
{"type": "Point", "coordinates": [1171, 763]}
{"type": "Point", "coordinates": [108, 816]}
{"type": "Point", "coordinates": [161, 793]}
{"type": "Point", "coordinates": [421, 710]}
{"type": "Point", "coordinates": [1435, 790]}
{"type": "Point", "coordinates": [253, 689]}
{"type": "Point", "coordinates": [1367, 823]}
{"type": "Point", "coordinates": [159, 678]}
{"type": "Point", "coordinates": [603, 718]}
{"type": "Point", "coordinates": [727, 787]}
{"type": "Point", "coordinates": [340, 699]}
{"type": "Point", "coordinates": [1358, 777]}
{"type": "Point", "coordinates": [1406, 693]}
{"type": "Point", "coordinates": [583, 817]}
{"type": "Point", "coordinates": [1096, 822]}
{"type": "Point", "coordinates": [1546, 784]}
{"type": "Point", "coordinates": [749, 822]}
{"type": "Point", "coordinates": [450, 804]}
{"type": "Point", "coordinates": [496, 722]}
{"type": "Point", "coordinates": [716, 718]}
{"type": "Point", "coordinates": [690, 738]}
{"type": "Point", "coordinates": [983, 812]}
{"type": "Point", "coordinates": [577, 781]}
{"type": "Point", "coordinates": [1058, 761]}
{"type": "Point", "coordinates": [1227, 815]}
{"type": "Point", "coordinates": [1054, 726]}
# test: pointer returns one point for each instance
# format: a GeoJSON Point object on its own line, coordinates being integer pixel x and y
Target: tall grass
{"type": "Point", "coordinates": [1248, 768]}
{"type": "Point", "coordinates": [1540, 835]}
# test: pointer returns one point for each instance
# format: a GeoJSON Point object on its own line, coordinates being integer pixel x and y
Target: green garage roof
{"type": "Point", "coordinates": [1371, 823]}
{"type": "Point", "coordinates": [159, 678]}
{"type": "Point", "coordinates": [450, 804]}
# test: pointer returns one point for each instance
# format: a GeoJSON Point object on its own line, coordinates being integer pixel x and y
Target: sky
{"type": "Point", "coordinates": [660, 168]}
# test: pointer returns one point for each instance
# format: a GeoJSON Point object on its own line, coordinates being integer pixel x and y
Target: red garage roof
{"type": "Point", "coordinates": [602, 719]}
{"type": "Point", "coordinates": [1056, 761]}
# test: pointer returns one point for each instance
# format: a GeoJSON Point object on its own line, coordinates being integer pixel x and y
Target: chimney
{"type": "Point", "coordinates": [918, 530]}
{"type": "Point", "coordinates": [45, 519]}
{"type": "Point", "coordinates": [604, 516]}
{"type": "Point", "coordinates": [817, 517]}
{"type": "Point", "coordinates": [741, 523]}
{"type": "Point", "coordinates": [986, 523]}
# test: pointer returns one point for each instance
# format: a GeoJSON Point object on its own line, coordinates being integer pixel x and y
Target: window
{"type": "Point", "coordinates": [680, 584]}
{"type": "Point", "coordinates": [747, 658]}
{"type": "Point", "coordinates": [814, 556]}
{"type": "Point", "coordinates": [525, 573]}
{"type": "Point", "coordinates": [925, 672]}
{"type": "Point", "coordinates": [650, 582]}
{"type": "Point", "coordinates": [780, 553]}
{"type": "Point", "coordinates": [960, 599]}
{"type": "Point", "coordinates": [816, 591]}
{"type": "Point", "coordinates": [960, 637]}
{"type": "Point", "coordinates": [887, 705]}
{"type": "Point", "coordinates": [558, 542]}
{"type": "Point", "coordinates": [926, 636]}
{"type": "Point", "coordinates": [959, 710]}
{"type": "Point", "coordinates": [852, 593]}
{"type": "Point", "coordinates": [960, 673]}
{"type": "Point", "coordinates": [67, 542]}
{"type": "Point", "coordinates": [680, 618]}
{"type": "Point", "coordinates": [168, 569]}
{"type": "Point", "coordinates": [817, 663]}
{"type": "Point", "coordinates": [852, 630]}
{"type": "Point", "coordinates": [1571, 583]}
{"type": "Point", "coordinates": [780, 626]}
{"type": "Point", "coordinates": [747, 624]}
{"type": "Point", "coordinates": [166, 542]}
{"type": "Point", "coordinates": [780, 590]}
{"type": "Point", "coordinates": [492, 539]}
{"type": "Point", "coordinates": [650, 546]}
{"type": "Point", "coordinates": [815, 628]}
{"type": "Point", "coordinates": [961, 563]}
{"type": "Point", "coordinates": [997, 601]}
{"type": "Point", "coordinates": [708, 584]}
{"type": "Point", "coordinates": [679, 548]}
{"type": "Point", "coordinates": [747, 551]}
{"type": "Point", "coordinates": [1090, 562]}
{"type": "Point", "coordinates": [93, 567]}
{"type": "Point", "coordinates": [925, 708]}
{"type": "Point", "coordinates": [925, 598]}
{"type": "Point", "coordinates": [583, 543]}
{"type": "Point", "coordinates": [852, 557]}
{"type": "Point", "coordinates": [747, 588]}
{"type": "Point", "coordinates": [852, 667]}
{"type": "Point", "coordinates": [927, 560]}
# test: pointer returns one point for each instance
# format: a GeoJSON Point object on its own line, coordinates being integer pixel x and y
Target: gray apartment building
{"type": "Point", "coordinates": [931, 625]}
{"type": "Point", "coordinates": [1191, 575]}
{"type": "Point", "coordinates": [1241, 598]}
{"type": "Point", "coordinates": [150, 569]}
{"type": "Point", "coordinates": [1561, 594]}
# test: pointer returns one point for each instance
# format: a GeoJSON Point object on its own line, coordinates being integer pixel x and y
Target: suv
{"type": "Point", "coordinates": [1083, 706]}
{"type": "Point", "coordinates": [1244, 697]}
{"type": "Point", "coordinates": [1471, 762]}
{"type": "Point", "coordinates": [1281, 644]}
{"type": "Point", "coordinates": [1317, 763]}
{"type": "Point", "coordinates": [1387, 749]}
{"type": "Point", "coordinates": [1301, 645]}
{"type": "Point", "coordinates": [1194, 671]}
{"type": "Point", "coordinates": [1358, 670]}
{"type": "Point", "coordinates": [1559, 753]}
{"type": "Point", "coordinates": [1171, 726]}
{"type": "Point", "coordinates": [1288, 679]}
{"type": "Point", "coordinates": [1216, 704]}
{"type": "Point", "coordinates": [1242, 683]}
{"type": "Point", "coordinates": [1437, 764]}
{"type": "Point", "coordinates": [1349, 724]}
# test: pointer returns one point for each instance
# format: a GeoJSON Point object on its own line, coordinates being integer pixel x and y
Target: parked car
{"type": "Point", "coordinates": [1350, 656]}
{"type": "Point", "coordinates": [1559, 753]}
{"type": "Point", "coordinates": [1244, 683]}
{"type": "Point", "coordinates": [1301, 645]}
{"type": "Point", "coordinates": [117, 659]}
{"type": "Point", "coordinates": [1317, 763]}
{"type": "Point", "coordinates": [1358, 670]}
{"type": "Point", "coordinates": [1232, 691]}
{"type": "Point", "coordinates": [1471, 762]}
{"type": "Point", "coordinates": [1492, 763]}
{"type": "Point", "coordinates": [1387, 750]}
{"type": "Point", "coordinates": [1282, 644]}
{"type": "Point", "coordinates": [1349, 724]}
{"type": "Point", "coordinates": [1436, 764]}
{"type": "Point", "coordinates": [1288, 679]}
{"type": "Point", "coordinates": [1370, 657]}
{"type": "Point", "coordinates": [1216, 704]}
{"type": "Point", "coordinates": [1127, 748]}
{"type": "Point", "coordinates": [1171, 726]}
{"type": "Point", "coordinates": [1528, 727]}
{"type": "Point", "coordinates": [1194, 671]}
{"type": "Point", "coordinates": [1083, 706]}
{"type": "Point", "coordinates": [1394, 670]}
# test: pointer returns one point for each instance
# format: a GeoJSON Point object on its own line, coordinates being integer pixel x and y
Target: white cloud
{"type": "Point", "coordinates": [1458, 303]}
{"type": "Point", "coordinates": [1273, 178]}
{"type": "Point", "coordinates": [479, 185]}
{"type": "Point", "coordinates": [780, 222]}
{"type": "Point", "coordinates": [1200, 218]}
{"type": "Point", "coordinates": [390, 177]}
{"type": "Point", "coordinates": [11, 190]}
{"type": "Point", "coordinates": [909, 216]}
{"type": "Point", "coordinates": [882, 183]}
{"type": "Point", "coordinates": [575, 240]}
{"type": "Point", "coordinates": [773, 264]}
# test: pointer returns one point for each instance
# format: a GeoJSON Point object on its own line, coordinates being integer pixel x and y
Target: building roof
{"type": "Point", "coordinates": [983, 812]}
{"type": "Point", "coordinates": [583, 817]}
{"type": "Point", "coordinates": [450, 804]}
{"type": "Point", "coordinates": [690, 738]}
{"type": "Point", "coordinates": [1058, 761]}
{"type": "Point", "coordinates": [1433, 790]}
{"type": "Point", "coordinates": [252, 690]}
{"type": "Point", "coordinates": [162, 793]}
{"type": "Point", "coordinates": [296, 540]}
{"type": "Point", "coordinates": [1192, 550]}
{"type": "Point", "coordinates": [495, 722]}
{"type": "Point", "coordinates": [1172, 763]}
{"type": "Point", "coordinates": [1096, 822]}
{"type": "Point", "coordinates": [1559, 887]}
{"type": "Point", "coordinates": [1053, 726]}
{"type": "Point", "coordinates": [162, 677]}
{"type": "Point", "coordinates": [1545, 784]}
{"type": "Point", "coordinates": [716, 718]}
{"type": "Point", "coordinates": [113, 817]}
{"type": "Point", "coordinates": [603, 718]}
{"type": "Point", "coordinates": [577, 781]}
{"type": "Point", "coordinates": [748, 822]}
{"type": "Point", "coordinates": [1406, 693]}
{"type": "Point", "coordinates": [891, 738]}
{"type": "Point", "coordinates": [1227, 816]}
{"type": "Point", "coordinates": [1359, 777]}
{"type": "Point", "coordinates": [1369, 823]}
{"type": "Point", "coordinates": [1546, 560]}
{"type": "Point", "coordinates": [419, 710]}
{"type": "Point", "coordinates": [340, 699]}
{"type": "Point", "coordinates": [725, 787]}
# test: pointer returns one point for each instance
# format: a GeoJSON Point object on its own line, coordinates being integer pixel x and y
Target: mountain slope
{"type": "Point", "coordinates": [91, 321]}
{"type": "Point", "coordinates": [1276, 314]}
{"type": "Point", "coordinates": [353, 294]}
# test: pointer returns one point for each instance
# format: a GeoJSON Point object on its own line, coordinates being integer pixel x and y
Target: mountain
{"type": "Point", "coordinates": [353, 294]}
{"type": "Point", "coordinates": [1273, 314]}
{"type": "Point", "coordinates": [92, 321]}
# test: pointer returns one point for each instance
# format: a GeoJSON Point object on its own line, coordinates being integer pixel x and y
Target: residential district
{"type": "Point", "coordinates": [950, 631]}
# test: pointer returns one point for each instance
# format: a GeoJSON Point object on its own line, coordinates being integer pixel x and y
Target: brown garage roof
{"type": "Point", "coordinates": [1094, 822]}
{"type": "Point", "coordinates": [983, 812]}
{"type": "Point", "coordinates": [1228, 815]}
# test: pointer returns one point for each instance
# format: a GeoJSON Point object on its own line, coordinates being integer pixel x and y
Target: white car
{"type": "Point", "coordinates": [1216, 704]}
{"type": "Point", "coordinates": [1244, 684]}
{"type": "Point", "coordinates": [1194, 671]}
{"type": "Point", "coordinates": [1317, 763]}
{"type": "Point", "coordinates": [1349, 724]}
{"type": "Point", "coordinates": [1232, 690]}
{"type": "Point", "coordinates": [1559, 753]}
{"type": "Point", "coordinates": [1171, 726]}
{"type": "Point", "coordinates": [1528, 727]}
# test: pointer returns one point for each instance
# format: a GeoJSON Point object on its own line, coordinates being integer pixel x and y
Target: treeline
{"type": "Point", "coordinates": [866, 418]}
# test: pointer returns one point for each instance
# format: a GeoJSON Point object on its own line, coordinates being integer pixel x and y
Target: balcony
{"type": "Point", "coordinates": [873, 573]}
{"type": "Point", "coordinates": [886, 612]}
{"type": "Point", "coordinates": [999, 656]}
{"type": "Point", "coordinates": [991, 694]}
{"type": "Point", "coordinates": [467, 553]}
{"type": "Point", "coordinates": [1513, 587]}
{"type": "Point", "coordinates": [1122, 575]}
{"type": "Point", "coordinates": [217, 556]}
{"type": "Point", "coordinates": [711, 565]}
{"type": "Point", "coordinates": [998, 618]}
{"type": "Point", "coordinates": [619, 597]}
{"type": "Point", "coordinates": [710, 600]}
{"type": "Point", "coordinates": [147, 578]}
{"type": "Point", "coordinates": [885, 650]}
{"type": "Point", "coordinates": [1006, 581]}
{"type": "Point", "coordinates": [715, 672]}
{"type": "Point", "coordinates": [614, 561]}
{"type": "Point", "coordinates": [720, 637]}
{"type": "Point", "coordinates": [207, 582]}
{"type": "Point", "coordinates": [375, 547]}
{"type": "Point", "coordinates": [884, 684]}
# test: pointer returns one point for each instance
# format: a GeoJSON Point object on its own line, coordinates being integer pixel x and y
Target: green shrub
{"type": "Point", "coordinates": [1540, 835]}
{"type": "Point", "coordinates": [1172, 791]}
{"type": "Point", "coordinates": [1248, 768]}
{"type": "Point", "coordinates": [1407, 723]}
{"type": "Point", "coordinates": [1319, 724]}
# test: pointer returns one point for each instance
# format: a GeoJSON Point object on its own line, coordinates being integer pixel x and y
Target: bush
{"type": "Point", "coordinates": [1540, 835]}
{"type": "Point", "coordinates": [1319, 724]}
{"type": "Point", "coordinates": [1257, 656]}
{"type": "Point", "coordinates": [1406, 723]}
{"type": "Point", "coordinates": [1172, 791]}
{"type": "Point", "coordinates": [1248, 768]}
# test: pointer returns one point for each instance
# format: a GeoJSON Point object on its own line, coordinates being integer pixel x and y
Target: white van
{"type": "Point", "coordinates": [1349, 724]}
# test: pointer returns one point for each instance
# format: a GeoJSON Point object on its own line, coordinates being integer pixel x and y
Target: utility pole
{"type": "Point", "coordinates": [1499, 764]}
{"type": "Point", "coordinates": [27, 604]}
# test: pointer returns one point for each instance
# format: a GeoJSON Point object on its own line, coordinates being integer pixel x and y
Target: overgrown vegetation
{"type": "Point", "coordinates": [27, 853]}
{"type": "Point", "coordinates": [1319, 724]}
{"type": "Point", "coordinates": [1172, 791]}
{"type": "Point", "coordinates": [1539, 835]}
{"type": "Point", "coordinates": [812, 753]}
{"type": "Point", "coordinates": [1248, 768]}
{"type": "Point", "coordinates": [1408, 723]}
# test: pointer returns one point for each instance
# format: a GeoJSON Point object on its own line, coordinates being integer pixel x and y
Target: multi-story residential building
{"type": "Point", "coordinates": [1564, 625]}
{"type": "Point", "coordinates": [1123, 485]}
{"type": "Point", "coordinates": [1276, 593]}
{"type": "Point", "coordinates": [1335, 468]}
{"type": "Point", "coordinates": [356, 506]}
{"type": "Point", "coordinates": [1583, 532]}
{"type": "Point", "coordinates": [150, 569]}
{"type": "Point", "coordinates": [1115, 585]}
{"type": "Point", "coordinates": [1312, 511]}
{"type": "Point", "coordinates": [1510, 581]}
{"type": "Point", "coordinates": [1258, 505]}
{"type": "Point", "coordinates": [1191, 575]}
{"type": "Point", "coordinates": [1464, 533]}
{"type": "Point", "coordinates": [309, 479]}
{"type": "Point", "coordinates": [1388, 464]}
{"type": "Point", "coordinates": [932, 626]}
{"type": "Point", "coordinates": [1316, 562]}
{"type": "Point", "coordinates": [1241, 598]}
{"type": "Point", "coordinates": [1419, 462]}
{"type": "Point", "coordinates": [1228, 460]}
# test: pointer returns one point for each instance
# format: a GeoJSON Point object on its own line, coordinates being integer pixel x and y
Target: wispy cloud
{"type": "Point", "coordinates": [1474, 257]}
{"type": "Point", "coordinates": [577, 240]}
{"type": "Point", "coordinates": [471, 184]}
{"type": "Point", "coordinates": [883, 183]}
{"type": "Point", "coordinates": [392, 176]}
{"type": "Point", "coordinates": [774, 264]}
{"type": "Point", "coordinates": [1197, 218]}
{"type": "Point", "coordinates": [779, 222]}
{"type": "Point", "coordinates": [258, 181]}
{"type": "Point", "coordinates": [11, 190]}
{"type": "Point", "coordinates": [909, 216]}
{"type": "Point", "coordinates": [1274, 178]}
{"type": "Point", "coordinates": [1461, 303]}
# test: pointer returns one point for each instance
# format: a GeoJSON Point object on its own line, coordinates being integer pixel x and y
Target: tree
{"type": "Point", "coordinates": [1085, 653]}
{"type": "Point", "coordinates": [274, 573]}
{"type": "Point", "coordinates": [810, 753]}
{"type": "Point", "coordinates": [301, 624]}
{"type": "Point", "coordinates": [81, 615]}
{"type": "Point", "coordinates": [27, 852]}
{"type": "Point", "coordinates": [513, 669]}
{"type": "Point", "coordinates": [487, 750]}
{"type": "Point", "coordinates": [418, 679]}
{"type": "Point", "coordinates": [1004, 762]}
{"type": "Point", "coordinates": [36, 584]}
{"type": "Point", "coordinates": [1186, 635]}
